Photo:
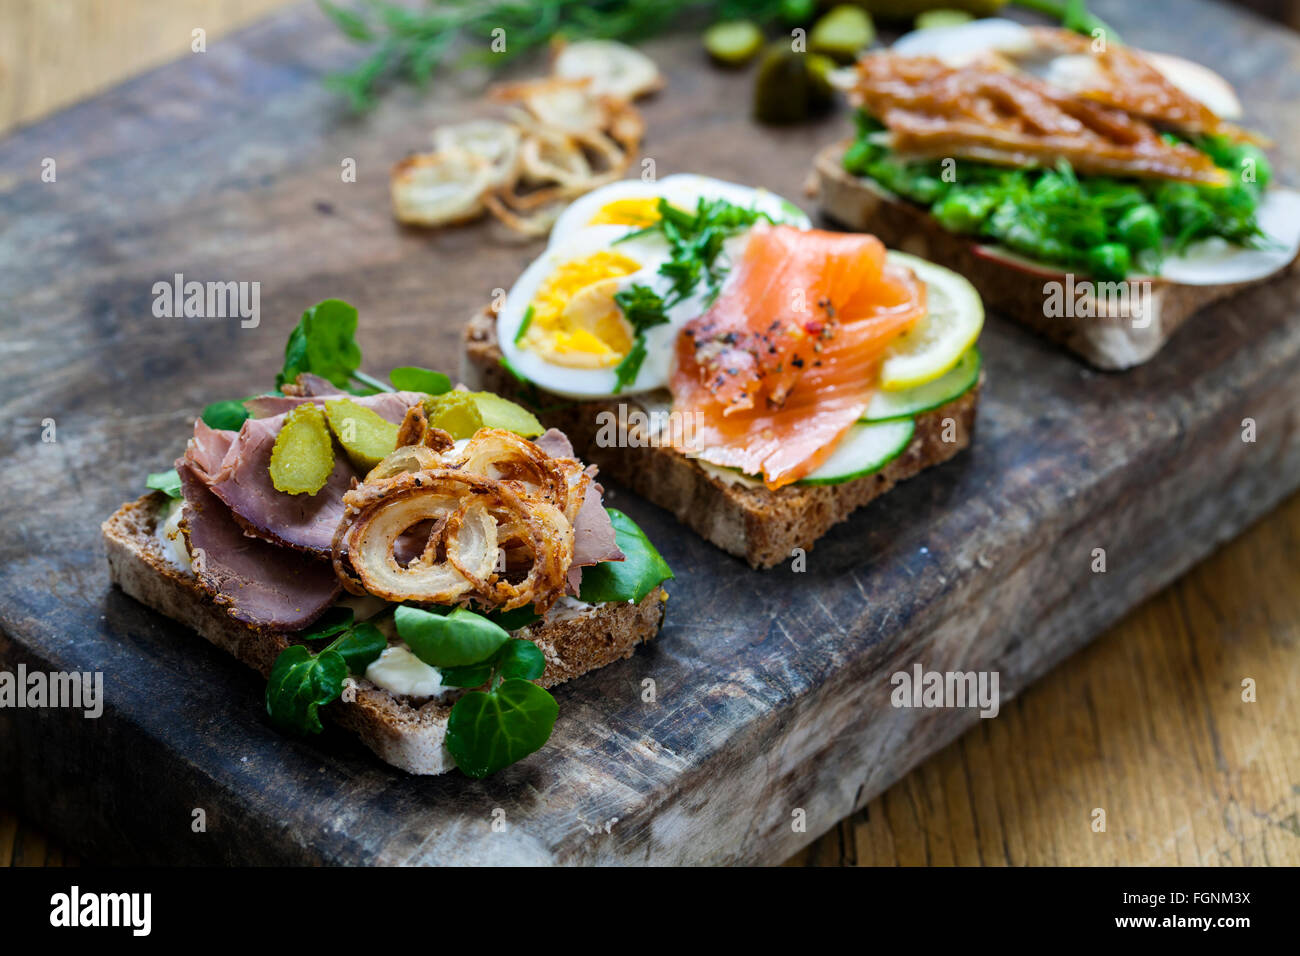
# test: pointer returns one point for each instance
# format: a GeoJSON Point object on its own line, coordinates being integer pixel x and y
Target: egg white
{"type": "Point", "coordinates": [648, 251]}
{"type": "Point", "coordinates": [683, 190]}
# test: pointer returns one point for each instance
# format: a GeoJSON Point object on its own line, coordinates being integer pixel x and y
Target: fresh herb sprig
{"type": "Point", "coordinates": [644, 309]}
{"type": "Point", "coordinates": [411, 45]}
{"type": "Point", "coordinates": [695, 242]}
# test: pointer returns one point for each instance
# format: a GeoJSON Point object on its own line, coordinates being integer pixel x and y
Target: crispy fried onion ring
{"type": "Point", "coordinates": [499, 525]}
{"type": "Point", "coordinates": [561, 136]}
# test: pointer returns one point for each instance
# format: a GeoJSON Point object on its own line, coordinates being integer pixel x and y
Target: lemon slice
{"type": "Point", "coordinates": [952, 323]}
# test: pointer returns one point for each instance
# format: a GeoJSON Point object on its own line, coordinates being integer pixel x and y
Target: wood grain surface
{"type": "Point", "coordinates": [1147, 724]}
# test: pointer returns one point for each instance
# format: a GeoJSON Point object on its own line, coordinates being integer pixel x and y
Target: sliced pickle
{"type": "Point", "coordinates": [366, 436]}
{"type": "Point", "coordinates": [781, 87]}
{"type": "Point", "coordinates": [842, 34]}
{"type": "Point", "coordinates": [498, 412]}
{"type": "Point", "coordinates": [455, 412]}
{"type": "Point", "coordinates": [733, 42]}
{"type": "Point", "coordinates": [303, 456]}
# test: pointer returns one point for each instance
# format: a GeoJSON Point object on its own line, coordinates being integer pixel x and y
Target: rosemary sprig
{"type": "Point", "coordinates": [410, 44]}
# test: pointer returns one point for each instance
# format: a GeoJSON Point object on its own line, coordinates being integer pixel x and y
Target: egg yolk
{"type": "Point", "coordinates": [576, 322]}
{"type": "Point", "coordinates": [628, 212]}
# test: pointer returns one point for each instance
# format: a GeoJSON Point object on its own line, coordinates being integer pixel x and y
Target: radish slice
{"type": "Point", "coordinates": [1215, 261]}
{"type": "Point", "coordinates": [1199, 82]}
{"type": "Point", "coordinates": [957, 45]}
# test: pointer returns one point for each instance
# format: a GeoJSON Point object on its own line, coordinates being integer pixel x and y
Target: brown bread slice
{"type": "Point", "coordinates": [761, 526]}
{"type": "Point", "coordinates": [401, 731]}
{"type": "Point", "coordinates": [1109, 342]}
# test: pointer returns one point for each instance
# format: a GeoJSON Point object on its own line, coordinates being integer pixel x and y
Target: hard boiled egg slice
{"type": "Point", "coordinates": [633, 203]}
{"type": "Point", "coordinates": [560, 326]}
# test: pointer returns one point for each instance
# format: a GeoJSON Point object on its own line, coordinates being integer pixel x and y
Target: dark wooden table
{"type": "Point", "coordinates": [778, 679]}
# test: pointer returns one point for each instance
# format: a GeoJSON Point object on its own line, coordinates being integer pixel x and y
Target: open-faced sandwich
{"type": "Point", "coordinates": [417, 562]}
{"type": "Point", "coordinates": [758, 378]}
{"type": "Point", "coordinates": [1095, 192]}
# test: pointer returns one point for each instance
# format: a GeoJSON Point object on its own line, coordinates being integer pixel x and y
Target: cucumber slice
{"type": "Point", "coordinates": [922, 398]}
{"type": "Point", "coordinates": [866, 448]}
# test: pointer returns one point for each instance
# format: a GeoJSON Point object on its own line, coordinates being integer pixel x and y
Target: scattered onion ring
{"type": "Point", "coordinates": [563, 136]}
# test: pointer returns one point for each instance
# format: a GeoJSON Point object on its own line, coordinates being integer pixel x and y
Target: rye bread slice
{"type": "Point", "coordinates": [761, 526]}
{"type": "Point", "coordinates": [1110, 341]}
{"type": "Point", "coordinates": [402, 731]}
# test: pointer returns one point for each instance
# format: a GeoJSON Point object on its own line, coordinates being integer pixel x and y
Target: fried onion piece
{"type": "Point", "coordinates": [507, 457]}
{"type": "Point", "coordinates": [564, 105]}
{"type": "Point", "coordinates": [440, 189]}
{"type": "Point", "coordinates": [414, 424]}
{"type": "Point", "coordinates": [412, 500]}
{"type": "Point", "coordinates": [611, 68]}
{"type": "Point", "coordinates": [406, 459]}
{"type": "Point", "coordinates": [470, 520]}
{"type": "Point", "coordinates": [549, 156]}
{"type": "Point", "coordinates": [495, 141]}
{"type": "Point", "coordinates": [537, 224]}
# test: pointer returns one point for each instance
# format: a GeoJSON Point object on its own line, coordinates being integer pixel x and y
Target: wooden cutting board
{"type": "Point", "coordinates": [772, 689]}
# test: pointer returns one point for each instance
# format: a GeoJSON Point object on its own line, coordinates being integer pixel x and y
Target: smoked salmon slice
{"type": "Point", "coordinates": [787, 358]}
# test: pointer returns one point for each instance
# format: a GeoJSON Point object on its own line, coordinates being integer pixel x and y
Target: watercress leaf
{"type": "Point", "coordinates": [302, 682]}
{"type": "Point", "coordinates": [631, 579]}
{"type": "Point", "coordinates": [334, 621]}
{"type": "Point", "coordinates": [228, 415]}
{"type": "Point", "coordinates": [514, 620]}
{"type": "Point", "coordinates": [323, 343]}
{"type": "Point", "coordinates": [490, 730]}
{"type": "Point", "coordinates": [459, 638]}
{"type": "Point", "coordinates": [295, 356]}
{"type": "Point", "coordinates": [520, 658]}
{"type": "Point", "coordinates": [472, 675]}
{"type": "Point", "coordinates": [411, 378]}
{"type": "Point", "coordinates": [359, 647]}
{"type": "Point", "coordinates": [168, 482]}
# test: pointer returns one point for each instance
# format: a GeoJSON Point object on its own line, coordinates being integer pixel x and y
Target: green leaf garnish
{"type": "Point", "coordinates": [524, 324]}
{"type": "Point", "coordinates": [323, 343]}
{"type": "Point", "coordinates": [168, 482]}
{"type": "Point", "coordinates": [302, 682]}
{"type": "Point", "coordinates": [487, 731]}
{"type": "Point", "coordinates": [631, 579]}
{"type": "Point", "coordinates": [452, 640]}
{"type": "Point", "coordinates": [226, 416]}
{"type": "Point", "coordinates": [411, 378]}
{"type": "Point", "coordinates": [520, 658]}
{"type": "Point", "coordinates": [695, 242]}
{"type": "Point", "coordinates": [644, 309]}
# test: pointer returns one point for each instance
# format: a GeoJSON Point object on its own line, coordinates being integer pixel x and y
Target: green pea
{"type": "Point", "coordinates": [1110, 260]}
{"type": "Point", "coordinates": [857, 156]}
{"type": "Point", "coordinates": [1140, 227]}
{"type": "Point", "coordinates": [962, 211]}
